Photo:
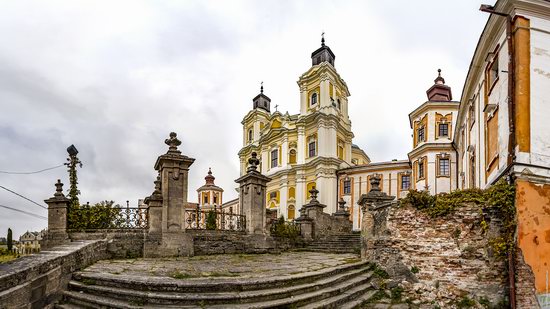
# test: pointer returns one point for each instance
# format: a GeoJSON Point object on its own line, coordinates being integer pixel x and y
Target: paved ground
{"type": "Point", "coordinates": [236, 265]}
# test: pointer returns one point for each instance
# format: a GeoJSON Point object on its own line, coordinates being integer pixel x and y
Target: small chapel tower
{"type": "Point", "coordinates": [210, 195]}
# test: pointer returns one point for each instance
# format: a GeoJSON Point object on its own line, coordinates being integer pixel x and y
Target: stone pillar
{"type": "Point", "coordinates": [174, 169]}
{"type": "Point", "coordinates": [154, 209]}
{"type": "Point", "coordinates": [166, 235]}
{"type": "Point", "coordinates": [57, 217]}
{"type": "Point", "coordinates": [252, 187]}
{"type": "Point", "coordinates": [373, 200]}
{"type": "Point", "coordinates": [306, 225]}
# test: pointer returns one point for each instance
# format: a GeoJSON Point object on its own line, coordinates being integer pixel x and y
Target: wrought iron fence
{"type": "Point", "coordinates": [197, 219]}
{"type": "Point", "coordinates": [99, 218]}
{"type": "Point", "coordinates": [283, 228]}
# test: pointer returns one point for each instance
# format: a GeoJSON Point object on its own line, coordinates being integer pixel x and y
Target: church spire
{"type": "Point", "coordinates": [323, 53]}
{"type": "Point", "coordinates": [261, 100]}
{"type": "Point", "coordinates": [439, 91]}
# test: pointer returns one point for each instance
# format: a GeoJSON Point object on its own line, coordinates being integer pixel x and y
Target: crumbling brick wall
{"type": "Point", "coordinates": [440, 260]}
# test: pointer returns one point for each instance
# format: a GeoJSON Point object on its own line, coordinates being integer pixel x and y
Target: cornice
{"type": "Point", "coordinates": [430, 147]}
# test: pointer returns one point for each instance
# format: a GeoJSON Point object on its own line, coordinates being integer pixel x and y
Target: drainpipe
{"type": "Point", "coordinates": [512, 129]}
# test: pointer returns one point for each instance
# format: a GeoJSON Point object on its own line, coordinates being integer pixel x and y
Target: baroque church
{"type": "Point", "coordinates": [315, 149]}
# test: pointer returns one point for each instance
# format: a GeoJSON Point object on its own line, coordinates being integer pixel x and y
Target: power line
{"type": "Point", "coordinates": [35, 172]}
{"type": "Point", "coordinates": [21, 196]}
{"type": "Point", "coordinates": [24, 212]}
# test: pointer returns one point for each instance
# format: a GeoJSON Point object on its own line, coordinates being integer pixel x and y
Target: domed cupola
{"type": "Point", "coordinates": [439, 91]}
{"type": "Point", "coordinates": [322, 54]}
{"type": "Point", "coordinates": [209, 193]}
{"type": "Point", "coordinates": [261, 100]}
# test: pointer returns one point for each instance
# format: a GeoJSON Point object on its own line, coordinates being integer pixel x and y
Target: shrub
{"type": "Point", "coordinates": [211, 220]}
{"type": "Point", "coordinates": [103, 215]}
{"type": "Point", "coordinates": [283, 229]}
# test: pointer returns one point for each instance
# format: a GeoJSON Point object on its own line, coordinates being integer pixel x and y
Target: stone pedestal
{"type": "Point", "coordinates": [252, 186]}
{"type": "Point", "coordinates": [369, 202]}
{"type": "Point", "coordinates": [57, 218]}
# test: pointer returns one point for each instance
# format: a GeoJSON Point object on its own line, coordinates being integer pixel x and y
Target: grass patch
{"type": "Point", "coordinates": [180, 275]}
{"type": "Point", "coordinates": [351, 260]}
{"type": "Point", "coordinates": [7, 258]}
{"type": "Point", "coordinates": [88, 281]}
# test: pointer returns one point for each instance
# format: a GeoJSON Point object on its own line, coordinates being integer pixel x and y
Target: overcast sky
{"type": "Point", "coordinates": [115, 77]}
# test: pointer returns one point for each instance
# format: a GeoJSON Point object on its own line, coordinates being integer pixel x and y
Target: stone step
{"type": "Point", "coordinates": [363, 292]}
{"type": "Point", "coordinates": [212, 284]}
{"type": "Point", "coordinates": [184, 298]}
{"type": "Point", "coordinates": [307, 298]}
{"type": "Point", "coordinates": [361, 282]}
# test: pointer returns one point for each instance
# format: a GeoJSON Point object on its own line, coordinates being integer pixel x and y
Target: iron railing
{"type": "Point", "coordinates": [197, 219]}
{"type": "Point", "coordinates": [100, 218]}
{"type": "Point", "coordinates": [283, 228]}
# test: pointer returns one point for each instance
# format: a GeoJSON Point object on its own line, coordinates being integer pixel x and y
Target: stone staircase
{"type": "Point", "coordinates": [340, 243]}
{"type": "Point", "coordinates": [343, 286]}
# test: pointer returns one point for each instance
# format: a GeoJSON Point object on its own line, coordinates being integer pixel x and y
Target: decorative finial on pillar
{"type": "Point", "coordinates": [341, 205]}
{"type": "Point", "coordinates": [262, 87]}
{"type": "Point", "coordinates": [313, 192]}
{"type": "Point", "coordinates": [157, 185]}
{"type": "Point", "coordinates": [59, 188]}
{"type": "Point", "coordinates": [173, 142]}
{"type": "Point", "coordinates": [375, 183]}
{"type": "Point", "coordinates": [253, 162]}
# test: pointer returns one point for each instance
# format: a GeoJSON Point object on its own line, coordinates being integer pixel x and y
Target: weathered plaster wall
{"type": "Point", "coordinates": [533, 215]}
{"type": "Point", "coordinates": [451, 255]}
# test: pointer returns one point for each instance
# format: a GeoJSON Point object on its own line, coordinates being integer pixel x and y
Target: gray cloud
{"type": "Point", "coordinates": [114, 78]}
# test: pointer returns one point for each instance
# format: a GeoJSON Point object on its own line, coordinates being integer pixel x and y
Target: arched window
{"type": "Point", "coordinates": [291, 212]}
{"type": "Point", "coordinates": [314, 99]}
{"type": "Point", "coordinates": [250, 135]}
{"type": "Point", "coordinates": [292, 156]}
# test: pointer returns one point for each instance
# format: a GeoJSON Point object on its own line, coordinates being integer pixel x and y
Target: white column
{"type": "Point", "coordinates": [301, 148]}
{"type": "Point", "coordinates": [303, 100]}
{"type": "Point", "coordinates": [325, 96]}
{"type": "Point", "coordinates": [265, 160]}
{"type": "Point", "coordinates": [284, 152]}
{"type": "Point", "coordinates": [283, 191]}
{"type": "Point", "coordinates": [300, 190]}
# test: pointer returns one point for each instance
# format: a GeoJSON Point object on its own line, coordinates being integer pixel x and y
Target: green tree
{"type": "Point", "coordinates": [10, 240]}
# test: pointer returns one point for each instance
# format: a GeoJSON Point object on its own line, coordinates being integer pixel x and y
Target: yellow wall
{"type": "Point", "coordinates": [533, 215]}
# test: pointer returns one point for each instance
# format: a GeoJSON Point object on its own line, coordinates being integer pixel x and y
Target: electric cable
{"type": "Point", "coordinates": [21, 196]}
{"type": "Point", "coordinates": [24, 212]}
{"type": "Point", "coordinates": [35, 172]}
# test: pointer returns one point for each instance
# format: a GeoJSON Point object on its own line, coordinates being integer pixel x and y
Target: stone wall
{"type": "Point", "coordinates": [224, 242]}
{"type": "Point", "coordinates": [120, 243]}
{"type": "Point", "coordinates": [439, 260]}
{"type": "Point", "coordinates": [35, 281]}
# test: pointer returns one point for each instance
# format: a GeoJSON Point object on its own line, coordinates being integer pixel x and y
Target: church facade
{"type": "Point", "coordinates": [304, 151]}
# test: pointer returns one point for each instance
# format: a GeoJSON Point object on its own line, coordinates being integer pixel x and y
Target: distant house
{"type": "Point", "coordinates": [3, 240]}
{"type": "Point", "coordinates": [30, 242]}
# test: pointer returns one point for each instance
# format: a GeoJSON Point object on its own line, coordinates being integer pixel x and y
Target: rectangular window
{"type": "Point", "coordinates": [312, 150]}
{"type": "Point", "coordinates": [272, 195]}
{"type": "Point", "coordinates": [421, 134]}
{"type": "Point", "coordinates": [215, 199]}
{"type": "Point", "coordinates": [405, 182]}
{"type": "Point", "coordinates": [205, 200]}
{"type": "Point", "coordinates": [421, 169]}
{"type": "Point", "coordinates": [493, 73]}
{"type": "Point", "coordinates": [444, 167]}
{"type": "Point", "coordinates": [274, 158]}
{"type": "Point", "coordinates": [347, 186]}
{"type": "Point", "coordinates": [443, 129]}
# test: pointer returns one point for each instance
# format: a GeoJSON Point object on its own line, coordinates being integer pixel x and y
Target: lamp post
{"type": "Point", "coordinates": [72, 162]}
